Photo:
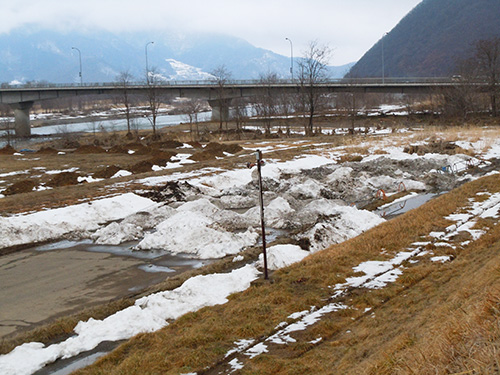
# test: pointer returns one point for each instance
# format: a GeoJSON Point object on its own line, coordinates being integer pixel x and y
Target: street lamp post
{"type": "Point", "coordinates": [291, 57]}
{"type": "Point", "coordinates": [80, 57]}
{"type": "Point", "coordinates": [147, 66]}
{"type": "Point", "coordinates": [383, 59]}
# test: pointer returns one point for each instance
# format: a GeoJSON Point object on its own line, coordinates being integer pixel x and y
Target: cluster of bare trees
{"type": "Point", "coordinates": [477, 87]}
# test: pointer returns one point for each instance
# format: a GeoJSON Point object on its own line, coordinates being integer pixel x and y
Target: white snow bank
{"type": "Point", "coordinates": [147, 315]}
{"type": "Point", "coordinates": [240, 177]}
{"type": "Point", "coordinates": [280, 256]}
{"type": "Point", "coordinates": [309, 189]}
{"type": "Point", "coordinates": [55, 223]}
{"type": "Point", "coordinates": [277, 213]}
{"type": "Point", "coordinates": [346, 222]}
{"type": "Point", "coordinates": [117, 233]}
{"type": "Point", "coordinates": [196, 234]}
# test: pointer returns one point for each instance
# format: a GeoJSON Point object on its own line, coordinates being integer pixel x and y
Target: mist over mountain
{"type": "Point", "coordinates": [431, 39]}
{"type": "Point", "coordinates": [42, 55]}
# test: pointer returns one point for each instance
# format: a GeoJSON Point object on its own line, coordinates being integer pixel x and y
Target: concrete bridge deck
{"type": "Point", "coordinates": [22, 97]}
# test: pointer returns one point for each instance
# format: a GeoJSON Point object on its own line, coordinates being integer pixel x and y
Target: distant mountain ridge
{"type": "Point", "coordinates": [42, 55]}
{"type": "Point", "coordinates": [431, 39]}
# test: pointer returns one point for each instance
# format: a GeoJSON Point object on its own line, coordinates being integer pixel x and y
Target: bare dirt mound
{"type": "Point", "coordinates": [438, 147]}
{"type": "Point", "coordinates": [195, 145]}
{"type": "Point", "coordinates": [24, 186]}
{"type": "Point", "coordinates": [172, 191]}
{"type": "Point", "coordinates": [47, 151]}
{"type": "Point", "coordinates": [206, 155]}
{"type": "Point", "coordinates": [138, 148]}
{"type": "Point", "coordinates": [141, 167]}
{"type": "Point", "coordinates": [214, 150]}
{"type": "Point", "coordinates": [64, 179]}
{"type": "Point", "coordinates": [89, 149]}
{"type": "Point", "coordinates": [350, 158]}
{"type": "Point", "coordinates": [169, 144]}
{"type": "Point", "coordinates": [233, 148]}
{"type": "Point", "coordinates": [107, 172]}
{"type": "Point", "coordinates": [7, 150]}
{"type": "Point", "coordinates": [118, 149]}
{"type": "Point", "coordinates": [161, 157]}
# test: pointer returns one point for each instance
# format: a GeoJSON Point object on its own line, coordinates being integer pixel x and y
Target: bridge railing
{"type": "Point", "coordinates": [212, 83]}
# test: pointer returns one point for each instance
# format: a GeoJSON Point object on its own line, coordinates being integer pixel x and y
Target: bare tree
{"type": "Point", "coordinates": [313, 71]}
{"type": "Point", "coordinates": [463, 96]}
{"type": "Point", "coordinates": [488, 60]}
{"type": "Point", "coordinates": [221, 77]}
{"type": "Point", "coordinates": [240, 114]}
{"type": "Point", "coordinates": [154, 79]}
{"type": "Point", "coordinates": [124, 79]}
{"type": "Point", "coordinates": [192, 108]}
{"type": "Point", "coordinates": [286, 108]}
{"type": "Point", "coordinates": [266, 104]}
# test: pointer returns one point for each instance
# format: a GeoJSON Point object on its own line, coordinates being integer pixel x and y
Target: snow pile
{"type": "Point", "coordinates": [147, 315]}
{"type": "Point", "coordinates": [277, 214]}
{"type": "Point", "coordinates": [343, 223]}
{"type": "Point", "coordinates": [192, 230]}
{"type": "Point", "coordinates": [115, 234]}
{"type": "Point", "coordinates": [55, 223]}
{"type": "Point", "coordinates": [280, 256]}
{"type": "Point", "coordinates": [310, 189]}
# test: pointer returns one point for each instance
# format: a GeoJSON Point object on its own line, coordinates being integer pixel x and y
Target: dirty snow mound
{"type": "Point", "coordinates": [198, 235]}
{"type": "Point", "coordinates": [342, 224]}
{"type": "Point", "coordinates": [115, 234]}
{"type": "Point", "coordinates": [55, 223]}
{"type": "Point", "coordinates": [280, 256]}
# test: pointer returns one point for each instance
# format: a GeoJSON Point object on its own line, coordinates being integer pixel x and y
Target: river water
{"type": "Point", "coordinates": [44, 133]}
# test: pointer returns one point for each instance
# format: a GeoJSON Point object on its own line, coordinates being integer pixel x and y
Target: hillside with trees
{"type": "Point", "coordinates": [431, 40]}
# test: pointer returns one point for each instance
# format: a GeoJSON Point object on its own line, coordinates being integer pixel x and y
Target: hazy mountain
{"type": "Point", "coordinates": [431, 39]}
{"type": "Point", "coordinates": [43, 55]}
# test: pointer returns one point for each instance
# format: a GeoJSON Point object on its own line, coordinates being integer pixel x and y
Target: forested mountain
{"type": "Point", "coordinates": [43, 55]}
{"type": "Point", "coordinates": [431, 39]}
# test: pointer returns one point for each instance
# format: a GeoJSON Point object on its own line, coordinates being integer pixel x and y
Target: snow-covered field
{"type": "Point", "coordinates": [313, 196]}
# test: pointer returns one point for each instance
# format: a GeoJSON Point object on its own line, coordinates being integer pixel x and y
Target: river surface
{"type": "Point", "coordinates": [44, 133]}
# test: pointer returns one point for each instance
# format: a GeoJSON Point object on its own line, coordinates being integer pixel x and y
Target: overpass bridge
{"type": "Point", "coordinates": [22, 97]}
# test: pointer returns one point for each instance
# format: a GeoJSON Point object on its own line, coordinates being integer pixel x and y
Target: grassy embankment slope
{"type": "Point", "coordinates": [437, 318]}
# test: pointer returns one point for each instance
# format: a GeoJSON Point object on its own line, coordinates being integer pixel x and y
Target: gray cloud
{"type": "Point", "coordinates": [348, 27]}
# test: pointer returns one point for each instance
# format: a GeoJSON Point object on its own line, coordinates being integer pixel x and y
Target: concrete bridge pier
{"type": "Point", "coordinates": [22, 118]}
{"type": "Point", "coordinates": [220, 109]}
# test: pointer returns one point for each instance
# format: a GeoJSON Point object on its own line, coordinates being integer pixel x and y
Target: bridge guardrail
{"type": "Point", "coordinates": [210, 83]}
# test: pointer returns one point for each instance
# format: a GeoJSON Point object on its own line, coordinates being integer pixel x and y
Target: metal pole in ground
{"type": "Point", "coordinates": [258, 154]}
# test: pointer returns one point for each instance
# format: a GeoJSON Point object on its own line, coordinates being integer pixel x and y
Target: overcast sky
{"type": "Point", "coordinates": [349, 27]}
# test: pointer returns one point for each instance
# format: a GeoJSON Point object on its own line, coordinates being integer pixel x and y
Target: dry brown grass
{"type": "Point", "coordinates": [404, 315]}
